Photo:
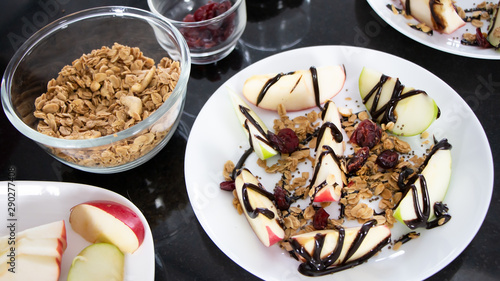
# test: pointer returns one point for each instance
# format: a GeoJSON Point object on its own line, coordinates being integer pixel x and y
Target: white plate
{"type": "Point", "coordinates": [449, 43]}
{"type": "Point", "coordinates": [217, 136]}
{"type": "Point", "coordinates": [40, 202]}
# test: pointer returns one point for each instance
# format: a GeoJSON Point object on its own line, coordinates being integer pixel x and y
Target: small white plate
{"type": "Point", "coordinates": [217, 136]}
{"type": "Point", "coordinates": [39, 202]}
{"type": "Point", "coordinates": [449, 43]}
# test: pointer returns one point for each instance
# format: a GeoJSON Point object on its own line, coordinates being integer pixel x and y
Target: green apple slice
{"type": "Point", "coordinates": [494, 29]}
{"type": "Point", "coordinates": [259, 209]}
{"type": "Point", "coordinates": [254, 128]}
{"type": "Point", "coordinates": [413, 110]}
{"type": "Point", "coordinates": [98, 262]}
{"type": "Point", "coordinates": [437, 176]}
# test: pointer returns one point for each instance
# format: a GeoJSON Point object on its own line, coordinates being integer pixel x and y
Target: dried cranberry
{"type": "Point", "coordinates": [366, 134]}
{"type": "Point", "coordinates": [286, 141]}
{"type": "Point", "coordinates": [481, 40]}
{"type": "Point", "coordinates": [387, 159]}
{"type": "Point", "coordinates": [281, 198]}
{"type": "Point", "coordinates": [227, 185]}
{"type": "Point", "coordinates": [357, 161]}
{"type": "Point", "coordinates": [320, 219]}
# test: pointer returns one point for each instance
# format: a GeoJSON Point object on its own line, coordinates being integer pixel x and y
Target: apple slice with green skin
{"type": "Point", "coordinates": [328, 176]}
{"type": "Point", "coordinates": [108, 221]}
{"type": "Point", "coordinates": [387, 100]}
{"type": "Point", "coordinates": [440, 15]}
{"type": "Point", "coordinates": [98, 262]}
{"type": "Point", "coordinates": [494, 28]}
{"type": "Point", "coordinates": [430, 187]}
{"type": "Point", "coordinates": [338, 248]}
{"type": "Point", "coordinates": [254, 128]}
{"type": "Point", "coordinates": [32, 267]}
{"type": "Point", "coordinates": [295, 90]}
{"type": "Point", "coordinates": [259, 208]}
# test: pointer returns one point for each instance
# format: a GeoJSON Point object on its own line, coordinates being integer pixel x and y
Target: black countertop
{"type": "Point", "coordinates": [183, 250]}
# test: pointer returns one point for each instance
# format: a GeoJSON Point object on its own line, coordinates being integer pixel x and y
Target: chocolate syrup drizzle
{"type": "Point", "coordinates": [423, 212]}
{"type": "Point", "coordinates": [314, 265]}
{"type": "Point", "coordinates": [388, 109]}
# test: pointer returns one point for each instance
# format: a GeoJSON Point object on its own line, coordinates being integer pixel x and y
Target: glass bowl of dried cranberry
{"type": "Point", "coordinates": [211, 27]}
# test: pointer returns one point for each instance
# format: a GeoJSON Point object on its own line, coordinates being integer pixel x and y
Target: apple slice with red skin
{"type": "Point", "coordinates": [55, 229]}
{"type": "Point", "coordinates": [438, 15]}
{"type": "Point", "coordinates": [328, 176]}
{"type": "Point", "coordinates": [268, 230]}
{"type": "Point", "coordinates": [295, 90]}
{"type": "Point", "coordinates": [32, 267]}
{"type": "Point", "coordinates": [108, 221]}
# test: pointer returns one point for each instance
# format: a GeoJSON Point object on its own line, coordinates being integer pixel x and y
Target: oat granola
{"type": "Point", "coordinates": [102, 93]}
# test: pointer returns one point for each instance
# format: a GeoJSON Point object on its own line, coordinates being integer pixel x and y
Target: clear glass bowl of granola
{"type": "Point", "coordinates": [101, 90]}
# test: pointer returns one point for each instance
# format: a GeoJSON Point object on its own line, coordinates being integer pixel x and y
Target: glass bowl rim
{"type": "Point", "coordinates": [179, 91]}
{"type": "Point", "coordinates": [216, 19]}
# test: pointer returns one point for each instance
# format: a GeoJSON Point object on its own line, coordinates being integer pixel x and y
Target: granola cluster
{"type": "Point", "coordinates": [369, 193]}
{"type": "Point", "coordinates": [102, 93]}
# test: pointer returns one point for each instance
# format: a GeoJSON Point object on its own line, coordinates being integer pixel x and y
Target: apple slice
{"type": "Point", "coordinates": [298, 90]}
{"type": "Point", "coordinates": [327, 251]}
{"type": "Point", "coordinates": [259, 208]}
{"type": "Point", "coordinates": [108, 221]}
{"type": "Point", "coordinates": [387, 100]}
{"type": "Point", "coordinates": [440, 15]}
{"type": "Point", "coordinates": [51, 247]}
{"type": "Point", "coordinates": [254, 128]}
{"type": "Point", "coordinates": [32, 267]}
{"type": "Point", "coordinates": [494, 29]}
{"type": "Point", "coordinates": [98, 262]}
{"type": "Point", "coordinates": [328, 177]}
{"type": "Point", "coordinates": [55, 229]}
{"type": "Point", "coordinates": [430, 186]}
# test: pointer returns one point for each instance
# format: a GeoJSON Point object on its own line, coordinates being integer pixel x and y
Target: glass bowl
{"type": "Point", "coordinates": [59, 44]}
{"type": "Point", "coordinates": [209, 40]}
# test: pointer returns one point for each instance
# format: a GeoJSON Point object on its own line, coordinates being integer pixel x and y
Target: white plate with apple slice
{"type": "Point", "coordinates": [449, 43]}
{"type": "Point", "coordinates": [217, 137]}
{"type": "Point", "coordinates": [38, 203]}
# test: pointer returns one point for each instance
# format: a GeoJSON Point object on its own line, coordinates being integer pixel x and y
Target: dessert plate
{"type": "Point", "coordinates": [449, 43]}
{"type": "Point", "coordinates": [39, 202]}
{"type": "Point", "coordinates": [217, 137]}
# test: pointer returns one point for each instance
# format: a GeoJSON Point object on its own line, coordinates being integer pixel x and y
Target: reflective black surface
{"type": "Point", "coordinates": [183, 250]}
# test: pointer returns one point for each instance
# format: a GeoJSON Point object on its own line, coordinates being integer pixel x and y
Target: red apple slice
{"type": "Point", "coordinates": [50, 247]}
{"type": "Point", "coordinates": [30, 267]}
{"type": "Point", "coordinates": [108, 221]}
{"type": "Point", "coordinates": [295, 90]}
{"type": "Point", "coordinates": [50, 230]}
{"type": "Point", "coordinates": [440, 15]}
{"type": "Point", "coordinates": [259, 209]}
{"type": "Point", "coordinates": [328, 176]}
